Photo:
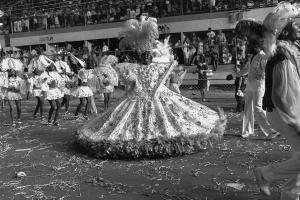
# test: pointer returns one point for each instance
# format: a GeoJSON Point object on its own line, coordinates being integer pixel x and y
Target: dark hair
{"type": "Point", "coordinates": [229, 77]}
{"type": "Point", "coordinates": [253, 46]}
{"type": "Point", "coordinates": [249, 28]}
{"type": "Point", "coordinates": [146, 57]}
{"type": "Point", "coordinates": [51, 68]}
{"type": "Point", "coordinates": [287, 29]}
{"type": "Point", "coordinates": [11, 73]}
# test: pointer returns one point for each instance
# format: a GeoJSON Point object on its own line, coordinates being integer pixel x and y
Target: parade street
{"type": "Point", "coordinates": [41, 162]}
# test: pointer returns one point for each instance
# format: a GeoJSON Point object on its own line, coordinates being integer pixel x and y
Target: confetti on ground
{"type": "Point", "coordinates": [55, 169]}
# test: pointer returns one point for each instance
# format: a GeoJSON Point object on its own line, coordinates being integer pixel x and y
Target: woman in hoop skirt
{"type": "Point", "coordinates": [152, 121]}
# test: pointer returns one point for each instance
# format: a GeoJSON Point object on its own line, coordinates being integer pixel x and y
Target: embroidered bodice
{"type": "Point", "coordinates": [147, 78]}
{"type": "Point", "coordinates": [14, 82]}
{"type": "Point", "coordinates": [257, 68]}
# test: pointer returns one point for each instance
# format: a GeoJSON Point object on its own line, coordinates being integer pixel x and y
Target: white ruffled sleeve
{"type": "Point", "coordinates": [286, 93]}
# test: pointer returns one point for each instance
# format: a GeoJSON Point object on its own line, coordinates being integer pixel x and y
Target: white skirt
{"type": "Point", "coordinates": [82, 91]}
{"type": "Point", "coordinates": [108, 89]}
{"type": "Point", "coordinates": [37, 93]}
{"type": "Point", "coordinates": [53, 94]}
{"type": "Point", "coordinates": [12, 96]}
{"type": "Point", "coordinates": [66, 91]}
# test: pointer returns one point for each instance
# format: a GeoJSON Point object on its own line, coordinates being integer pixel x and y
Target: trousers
{"type": "Point", "coordinates": [289, 169]}
{"type": "Point", "coordinates": [253, 109]}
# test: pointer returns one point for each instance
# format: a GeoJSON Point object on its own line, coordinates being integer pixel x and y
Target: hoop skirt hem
{"type": "Point", "coordinates": [153, 148]}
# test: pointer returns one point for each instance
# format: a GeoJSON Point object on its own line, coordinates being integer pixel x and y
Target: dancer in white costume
{"type": "Point", "coordinates": [152, 121]}
{"type": "Point", "coordinates": [53, 93]}
{"type": "Point", "coordinates": [37, 80]}
{"type": "Point", "coordinates": [68, 78]}
{"type": "Point", "coordinates": [14, 88]}
{"type": "Point", "coordinates": [83, 92]}
{"type": "Point", "coordinates": [3, 83]}
{"type": "Point", "coordinates": [255, 89]}
{"type": "Point", "coordinates": [108, 77]}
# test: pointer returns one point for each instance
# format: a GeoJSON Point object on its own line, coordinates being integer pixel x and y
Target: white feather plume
{"type": "Point", "coordinates": [139, 35]}
{"type": "Point", "coordinates": [12, 63]}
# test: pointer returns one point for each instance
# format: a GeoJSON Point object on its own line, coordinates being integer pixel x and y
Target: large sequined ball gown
{"type": "Point", "coordinates": [152, 121]}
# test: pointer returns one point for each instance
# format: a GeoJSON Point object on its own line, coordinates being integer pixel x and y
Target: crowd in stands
{"type": "Point", "coordinates": [215, 46]}
{"type": "Point", "coordinates": [31, 15]}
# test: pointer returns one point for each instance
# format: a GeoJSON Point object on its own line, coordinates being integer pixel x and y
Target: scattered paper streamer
{"type": "Point", "coordinates": [21, 174]}
{"type": "Point", "coordinates": [237, 186]}
{"type": "Point", "coordinates": [28, 149]}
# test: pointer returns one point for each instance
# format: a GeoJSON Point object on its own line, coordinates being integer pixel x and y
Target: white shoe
{"type": "Point", "coordinates": [274, 135]}
{"type": "Point", "coordinates": [246, 135]}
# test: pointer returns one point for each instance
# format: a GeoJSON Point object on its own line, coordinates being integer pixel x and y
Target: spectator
{"type": "Point", "coordinates": [215, 57]}
{"type": "Point", "coordinates": [186, 45]}
{"type": "Point", "coordinates": [76, 16]}
{"type": "Point", "coordinates": [212, 4]}
{"type": "Point", "coordinates": [105, 48]}
{"type": "Point", "coordinates": [61, 20]}
{"type": "Point", "coordinates": [68, 17]}
{"type": "Point", "coordinates": [221, 41]}
{"type": "Point", "coordinates": [89, 16]}
{"type": "Point", "coordinates": [210, 37]}
{"type": "Point", "coordinates": [44, 20]}
{"type": "Point", "coordinates": [200, 48]}
{"type": "Point", "coordinates": [226, 55]}
{"type": "Point", "coordinates": [201, 64]}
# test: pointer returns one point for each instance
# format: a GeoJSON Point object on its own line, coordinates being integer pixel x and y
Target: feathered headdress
{"type": "Point", "coordinates": [139, 35]}
{"type": "Point", "coordinates": [162, 51]}
{"type": "Point", "coordinates": [162, 48]}
{"type": "Point", "coordinates": [109, 60]}
{"type": "Point", "coordinates": [272, 26]}
{"type": "Point", "coordinates": [276, 21]}
{"type": "Point", "coordinates": [12, 64]}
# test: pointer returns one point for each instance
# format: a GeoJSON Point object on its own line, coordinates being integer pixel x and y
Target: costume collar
{"type": "Point", "coordinates": [288, 48]}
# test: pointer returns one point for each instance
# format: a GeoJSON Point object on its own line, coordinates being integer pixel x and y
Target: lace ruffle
{"type": "Point", "coordinates": [154, 148]}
